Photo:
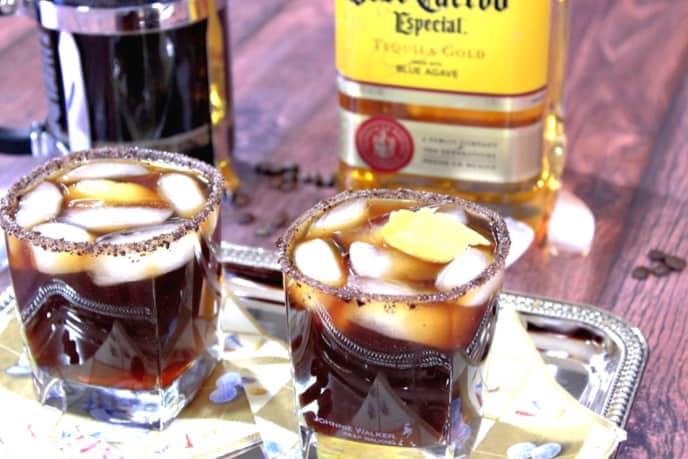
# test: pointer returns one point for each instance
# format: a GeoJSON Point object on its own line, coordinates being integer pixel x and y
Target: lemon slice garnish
{"type": "Point", "coordinates": [430, 236]}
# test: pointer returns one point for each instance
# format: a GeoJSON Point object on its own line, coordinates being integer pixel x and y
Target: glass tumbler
{"type": "Point", "coordinates": [391, 306]}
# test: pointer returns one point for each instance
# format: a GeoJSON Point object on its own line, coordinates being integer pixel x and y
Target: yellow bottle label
{"type": "Point", "coordinates": [497, 47]}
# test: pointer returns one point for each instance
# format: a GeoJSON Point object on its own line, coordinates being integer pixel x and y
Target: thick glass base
{"type": "Point", "coordinates": [149, 408]}
{"type": "Point", "coordinates": [316, 445]}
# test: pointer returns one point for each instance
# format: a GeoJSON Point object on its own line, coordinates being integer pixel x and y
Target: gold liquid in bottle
{"type": "Point", "coordinates": [221, 115]}
{"type": "Point", "coordinates": [459, 97]}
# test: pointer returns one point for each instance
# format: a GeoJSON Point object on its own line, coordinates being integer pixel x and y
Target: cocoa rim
{"type": "Point", "coordinates": [499, 232]}
{"type": "Point", "coordinates": [10, 201]}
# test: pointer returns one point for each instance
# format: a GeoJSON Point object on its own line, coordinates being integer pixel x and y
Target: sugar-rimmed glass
{"type": "Point", "coordinates": [389, 374]}
{"type": "Point", "coordinates": [122, 324]}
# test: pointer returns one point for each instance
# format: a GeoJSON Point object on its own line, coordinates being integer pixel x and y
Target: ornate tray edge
{"type": "Point", "coordinates": [248, 256]}
{"type": "Point", "coordinates": [633, 346]}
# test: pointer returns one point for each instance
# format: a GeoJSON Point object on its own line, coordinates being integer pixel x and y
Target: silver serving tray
{"type": "Point", "coordinates": [598, 357]}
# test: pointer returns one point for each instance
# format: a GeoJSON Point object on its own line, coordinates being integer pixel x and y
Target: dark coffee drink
{"type": "Point", "coordinates": [392, 300]}
{"type": "Point", "coordinates": [112, 258]}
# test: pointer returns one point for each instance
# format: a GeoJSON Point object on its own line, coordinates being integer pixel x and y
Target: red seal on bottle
{"type": "Point", "coordinates": [384, 144]}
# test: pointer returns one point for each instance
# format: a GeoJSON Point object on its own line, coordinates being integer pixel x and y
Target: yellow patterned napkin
{"type": "Point", "coordinates": [527, 413]}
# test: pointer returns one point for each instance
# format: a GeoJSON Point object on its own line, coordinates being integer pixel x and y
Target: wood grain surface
{"type": "Point", "coordinates": [627, 125]}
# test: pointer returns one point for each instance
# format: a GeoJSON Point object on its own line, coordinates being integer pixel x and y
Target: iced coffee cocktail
{"type": "Point", "coordinates": [391, 304]}
{"type": "Point", "coordinates": [112, 254]}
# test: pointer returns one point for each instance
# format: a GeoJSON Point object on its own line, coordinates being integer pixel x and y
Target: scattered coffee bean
{"type": "Point", "coordinates": [660, 270]}
{"type": "Point", "coordinates": [276, 182]}
{"type": "Point", "coordinates": [245, 218]}
{"type": "Point", "coordinates": [290, 176]}
{"type": "Point", "coordinates": [268, 168]}
{"type": "Point", "coordinates": [240, 199]}
{"type": "Point", "coordinates": [656, 255]}
{"type": "Point", "coordinates": [640, 273]}
{"type": "Point", "coordinates": [275, 169]}
{"type": "Point", "coordinates": [287, 186]}
{"type": "Point", "coordinates": [327, 181]}
{"type": "Point", "coordinates": [675, 263]}
{"type": "Point", "coordinates": [264, 231]}
{"type": "Point", "coordinates": [280, 219]}
{"type": "Point", "coordinates": [261, 167]}
{"type": "Point", "coordinates": [290, 167]}
{"type": "Point", "coordinates": [309, 178]}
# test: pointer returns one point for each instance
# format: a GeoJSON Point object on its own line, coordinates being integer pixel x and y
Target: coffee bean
{"type": "Point", "coordinates": [264, 231]}
{"type": "Point", "coordinates": [290, 167]}
{"type": "Point", "coordinates": [290, 176]}
{"type": "Point", "coordinates": [640, 273]}
{"type": "Point", "coordinates": [277, 169]}
{"type": "Point", "coordinates": [327, 181]}
{"type": "Point", "coordinates": [331, 180]}
{"type": "Point", "coordinates": [287, 186]}
{"type": "Point", "coordinates": [675, 263]}
{"type": "Point", "coordinates": [656, 255]}
{"type": "Point", "coordinates": [660, 270]}
{"type": "Point", "coordinates": [245, 218]}
{"type": "Point", "coordinates": [261, 167]}
{"type": "Point", "coordinates": [240, 199]}
{"type": "Point", "coordinates": [268, 168]}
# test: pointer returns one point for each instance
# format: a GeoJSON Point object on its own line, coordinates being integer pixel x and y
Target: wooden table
{"type": "Point", "coordinates": [627, 121]}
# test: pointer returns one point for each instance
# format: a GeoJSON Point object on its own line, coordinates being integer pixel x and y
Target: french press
{"type": "Point", "coordinates": [133, 72]}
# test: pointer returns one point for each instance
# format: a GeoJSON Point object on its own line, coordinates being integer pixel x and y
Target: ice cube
{"type": "Point", "coordinates": [319, 260]}
{"type": "Point", "coordinates": [39, 205]}
{"type": "Point", "coordinates": [107, 219]}
{"type": "Point", "coordinates": [302, 296]}
{"type": "Point", "coordinates": [379, 208]}
{"type": "Point", "coordinates": [381, 287]}
{"type": "Point", "coordinates": [369, 261]}
{"type": "Point", "coordinates": [140, 234]}
{"type": "Point", "coordinates": [443, 326]}
{"type": "Point", "coordinates": [112, 270]}
{"type": "Point", "coordinates": [380, 263]}
{"type": "Point", "coordinates": [51, 262]}
{"type": "Point", "coordinates": [59, 230]}
{"type": "Point", "coordinates": [183, 193]}
{"type": "Point", "coordinates": [462, 269]}
{"type": "Point", "coordinates": [111, 192]}
{"type": "Point", "coordinates": [104, 169]}
{"type": "Point", "coordinates": [482, 293]}
{"type": "Point", "coordinates": [342, 216]}
{"type": "Point", "coordinates": [210, 224]}
{"type": "Point", "coordinates": [457, 214]}
{"type": "Point", "coordinates": [572, 225]}
{"type": "Point", "coordinates": [521, 236]}
{"type": "Point", "coordinates": [368, 233]}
